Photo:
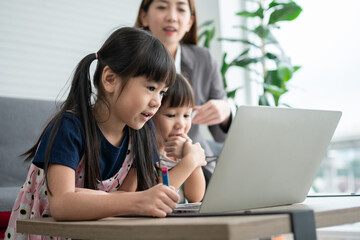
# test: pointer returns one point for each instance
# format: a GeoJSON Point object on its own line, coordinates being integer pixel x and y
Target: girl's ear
{"type": "Point", "coordinates": [109, 79]}
{"type": "Point", "coordinates": [143, 17]}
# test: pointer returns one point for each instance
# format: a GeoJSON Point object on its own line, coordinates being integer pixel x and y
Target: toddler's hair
{"type": "Point", "coordinates": [129, 52]}
{"type": "Point", "coordinates": [180, 94]}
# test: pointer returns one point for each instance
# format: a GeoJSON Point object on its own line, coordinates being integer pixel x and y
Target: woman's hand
{"type": "Point", "coordinates": [157, 201]}
{"type": "Point", "coordinates": [174, 145]}
{"type": "Point", "coordinates": [212, 112]}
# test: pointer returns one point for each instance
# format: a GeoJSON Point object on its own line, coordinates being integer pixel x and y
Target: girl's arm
{"type": "Point", "coordinates": [70, 203]}
{"type": "Point", "coordinates": [193, 158]}
{"type": "Point", "coordinates": [194, 186]}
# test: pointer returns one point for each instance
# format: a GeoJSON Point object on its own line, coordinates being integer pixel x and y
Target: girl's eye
{"type": "Point", "coordinates": [182, 10]}
{"type": "Point", "coordinates": [186, 115]}
{"type": "Point", "coordinates": [170, 115]}
{"type": "Point", "coordinates": [151, 89]}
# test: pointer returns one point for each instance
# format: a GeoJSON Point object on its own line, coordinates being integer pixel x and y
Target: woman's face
{"type": "Point", "coordinates": [168, 20]}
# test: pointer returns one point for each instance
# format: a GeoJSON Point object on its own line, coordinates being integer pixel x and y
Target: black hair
{"type": "Point", "coordinates": [129, 52]}
{"type": "Point", "coordinates": [180, 94]}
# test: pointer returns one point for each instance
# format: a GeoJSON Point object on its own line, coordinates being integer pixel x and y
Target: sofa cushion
{"type": "Point", "coordinates": [21, 122]}
{"type": "Point", "coordinates": [7, 198]}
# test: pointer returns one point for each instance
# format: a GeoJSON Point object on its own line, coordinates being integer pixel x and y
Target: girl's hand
{"type": "Point", "coordinates": [194, 152]}
{"type": "Point", "coordinates": [212, 112]}
{"type": "Point", "coordinates": [158, 201]}
{"type": "Point", "coordinates": [174, 146]}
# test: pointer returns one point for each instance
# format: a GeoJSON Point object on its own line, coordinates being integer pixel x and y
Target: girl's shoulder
{"type": "Point", "coordinates": [67, 147]}
{"type": "Point", "coordinates": [72, 121]}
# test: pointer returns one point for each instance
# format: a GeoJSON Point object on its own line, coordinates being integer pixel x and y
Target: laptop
{"type": "Point", "coordinates": [269, 158]}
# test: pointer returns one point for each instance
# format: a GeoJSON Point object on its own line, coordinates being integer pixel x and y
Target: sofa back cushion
{"type": "Point", "coordinates": [21, 123]}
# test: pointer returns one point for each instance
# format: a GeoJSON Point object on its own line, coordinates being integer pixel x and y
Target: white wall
{"type": "Point", "coordinates": [41, 41]}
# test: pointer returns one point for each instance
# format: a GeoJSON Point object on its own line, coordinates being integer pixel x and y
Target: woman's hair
{"type": "Point", "coordinates": [129, 52]}
{"type": "Point", "coordinates": [180, 94]}
{"type": "Point", "coordinates": [189, 38]}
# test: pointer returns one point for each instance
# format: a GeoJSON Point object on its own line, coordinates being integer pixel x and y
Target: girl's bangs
{"type": "Point", "coordinates": [156, 64]}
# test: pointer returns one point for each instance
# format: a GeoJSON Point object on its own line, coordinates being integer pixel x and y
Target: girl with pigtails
{"type": "Point", "coordinates": [96, 156]}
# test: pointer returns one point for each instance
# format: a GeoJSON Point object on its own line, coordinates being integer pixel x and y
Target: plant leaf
{"type": "Point", "coordinates": [285, 71]}
{"type": "Point", "coordinates": [261, 31]}
{"type": "Point", "coordinates": [244, 62]}
{"type": "Point", "coordinates": [288, 12]}
{"type": "Point", "coordinates": [246, 14]}
{"type": "Point", "coordinates": [272, 78]}
{"type": "Point", "coordinates": [274, 4]}
{"type": "Point", "coordinates": [232, 93]}
{"type": "Point", "coordinates": [207, 23]}
{"type": "Point", "coordinates": [272, 56]}
{"type": "Point", "coordinates": [260, 12]}
{"type": "Point", "coordinates": [225, 66]}
{"type": "Point", "coordinates": [274, 90]}
{"type": "Point", "coordinates": [296, 68]}
{"type": "Point", "coordinates": [286, 105]}
{"type": "Point", "coordinates": [239, 40]}
{"type": "Point", "coordinates": [245, 52]}
{"type": "Point", "coordinates": [263, 101]}
{"type": "Point", "coordinates": [212, 33]}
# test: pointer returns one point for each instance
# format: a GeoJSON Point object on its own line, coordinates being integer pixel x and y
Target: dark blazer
{"type": "Point", "coordinates": [201, 70]}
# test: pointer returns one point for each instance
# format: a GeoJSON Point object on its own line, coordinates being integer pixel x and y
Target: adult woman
{"type": "Point", "coordinates": [174, 23]}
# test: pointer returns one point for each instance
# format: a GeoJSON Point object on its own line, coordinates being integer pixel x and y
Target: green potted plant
{"type": "Point", "coordinates": [263, 54]}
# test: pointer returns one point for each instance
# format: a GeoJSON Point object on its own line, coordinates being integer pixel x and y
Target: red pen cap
{"type": "Point", "coordinates": [164, 170]}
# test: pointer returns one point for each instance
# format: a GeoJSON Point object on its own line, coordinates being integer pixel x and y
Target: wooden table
{"type": "Point", "coordinates": [329, 211]}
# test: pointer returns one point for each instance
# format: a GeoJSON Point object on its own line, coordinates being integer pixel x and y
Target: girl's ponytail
{"type": "Point", "coordinates": [79, 100]}
{"type": "Point", "coordinates": [79, 103]}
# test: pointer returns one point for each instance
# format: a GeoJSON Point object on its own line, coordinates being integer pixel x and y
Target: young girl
{"type": "Point", "coordinates": [98, 149]}
{"type": "Point", "coordinates": [172, 123]}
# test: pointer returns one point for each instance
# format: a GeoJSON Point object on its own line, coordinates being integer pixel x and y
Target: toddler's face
{"type": "Point", "coordinates": [173, 121]}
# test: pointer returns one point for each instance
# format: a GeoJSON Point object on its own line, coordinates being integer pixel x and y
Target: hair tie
{"type": "Point", "coordinates": [96, 55]}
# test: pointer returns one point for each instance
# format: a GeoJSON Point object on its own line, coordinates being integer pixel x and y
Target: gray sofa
{"type": "Point", "coordinates": [21, 123]}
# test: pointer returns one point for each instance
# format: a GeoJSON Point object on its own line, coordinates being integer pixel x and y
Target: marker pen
{"type": "Point", "coordinates": [165, 176]}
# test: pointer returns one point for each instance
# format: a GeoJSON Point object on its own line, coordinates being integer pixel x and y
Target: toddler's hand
{"type": "Point", "coordinates": [174, 146]}
{"type": "Point", "coordinates": [195, 152]}
{"type": "Point", "coordinates": [158, 201]}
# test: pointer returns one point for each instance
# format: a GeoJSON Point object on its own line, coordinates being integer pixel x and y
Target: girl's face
{"type": "Point", "coordinates": [173, 121]}
{"type": "Point", "coordinates": [168, 20]}
{"type": "Point", "coordinates": [138, 102]}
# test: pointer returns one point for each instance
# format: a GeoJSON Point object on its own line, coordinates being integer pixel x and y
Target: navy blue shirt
{"type": "Point", "coordinates": [68, 148]}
